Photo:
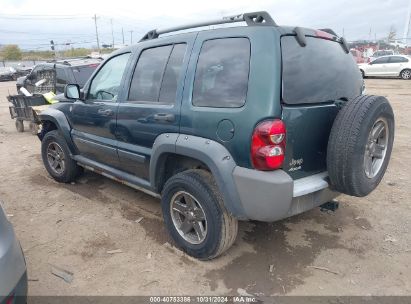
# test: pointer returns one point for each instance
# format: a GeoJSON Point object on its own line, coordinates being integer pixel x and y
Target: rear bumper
{"type": "Point", "coordinates": [271, 196]}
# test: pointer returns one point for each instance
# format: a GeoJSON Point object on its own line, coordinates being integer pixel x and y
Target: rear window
{"type": "Point", "coordinates": [319, 72]}
{"type": "Point", "coordinates": [83, 73]}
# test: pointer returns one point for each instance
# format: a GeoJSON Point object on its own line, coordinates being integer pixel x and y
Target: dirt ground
{"type": "Point", "coordinates": [366, 244]}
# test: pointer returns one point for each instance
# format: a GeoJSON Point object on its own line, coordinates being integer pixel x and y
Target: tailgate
{"type": "Point", "coordinates": [308, 129]}
{"type": "Point", "coordinates": [316, 78]}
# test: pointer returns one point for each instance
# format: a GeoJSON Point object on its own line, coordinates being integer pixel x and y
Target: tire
{"type": "Point", "coordinates": [355, 163]}
{"type": "Point", "coordinates": [34, 128]}
{"type": "Point", "coordinates": [19, 125]}
{"type": "Point", "coordinates": [405, 74]}
{"type": "Point", "coordinates": [53, 145]}
{"type": "Point", "coordinates": [220, 228]}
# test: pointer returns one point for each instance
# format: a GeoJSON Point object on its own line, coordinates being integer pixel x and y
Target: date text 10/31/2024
{"type": "Point", "coordinates": [203, 299]}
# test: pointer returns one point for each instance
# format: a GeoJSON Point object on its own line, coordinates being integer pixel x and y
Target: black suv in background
{"type": "Point", "coordinates": [57, 74]}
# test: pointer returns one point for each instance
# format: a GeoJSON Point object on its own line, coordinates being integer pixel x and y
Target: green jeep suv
{"type": "Point", "coordinates": [254, 122]}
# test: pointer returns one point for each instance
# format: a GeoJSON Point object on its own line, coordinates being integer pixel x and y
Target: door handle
{"type": "Point", "coordinates": [164, 117]}
{"type": "Point", "coordinates": [105, 112]}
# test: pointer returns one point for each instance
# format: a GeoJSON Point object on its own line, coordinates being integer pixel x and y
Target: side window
{"type": "Point", "coordinates": [157, 73]}
{"type": "Point", "coordinates": [398, 59]}
{"type": "Point", "coordinates": [380, 60]}
{"type": "Point", "coordinates": [106, 84]}
{"type": "Point", "coordinates": [172, 74]}
{"type": "Point", "coordinates": [61, 76]}
{"type": "Point", "coordinates": [221, 78]}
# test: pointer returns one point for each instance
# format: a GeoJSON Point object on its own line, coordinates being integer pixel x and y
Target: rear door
{"type": "Point", "coordinates": [152, 105]}
{"type": "Point", "coordinates": [395, 65]}
{"type": "Point", "coordinates": [316, 78]}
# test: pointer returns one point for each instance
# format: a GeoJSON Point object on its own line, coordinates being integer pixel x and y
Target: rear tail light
{"type": "Point", "coordinates": [10, 300]}
{"type": "Point", "coordinates": [268, 145]}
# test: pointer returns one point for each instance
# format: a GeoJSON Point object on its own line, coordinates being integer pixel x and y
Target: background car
{"type": "Point", "coordinates": [380, 53]}
{"type": "Point", "coordinates": [13, 273]}
{"type": "Point", "coordinates": [8, 74]}
{"type": "Point", "coordinates": [58, 73]}
{"type": "Point", "coordinates": [388, 66]}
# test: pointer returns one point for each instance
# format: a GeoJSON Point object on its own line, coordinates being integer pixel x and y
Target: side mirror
{"type": "Point", "coordinates": [72, 91]}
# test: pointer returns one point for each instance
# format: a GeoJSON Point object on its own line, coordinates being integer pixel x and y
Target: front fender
{"type": "Point", "coordinates": [58, 118]}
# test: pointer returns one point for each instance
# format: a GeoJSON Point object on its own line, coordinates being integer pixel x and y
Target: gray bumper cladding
{"type": "Point", "coordinates": [270, 196]}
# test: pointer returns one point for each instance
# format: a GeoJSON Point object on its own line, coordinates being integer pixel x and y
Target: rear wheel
{"type": "Point", "coordinates": [360, 145]}
{"type": "Point", "coordinates": [195, 217]}
{"type": "Point", "coordinates": [56, 158]}
{"type": "Point", "coordinates": [405, 74]}
{"type": "Point", "coordinates": [19, 125]}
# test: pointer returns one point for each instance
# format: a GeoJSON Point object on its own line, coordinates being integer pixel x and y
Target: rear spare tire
{"type": "Point", "coordinates": [360, 145]}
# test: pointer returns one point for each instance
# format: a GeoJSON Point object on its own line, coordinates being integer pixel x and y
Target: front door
{"type": "Point", "coordinates": [94, 119]}
{"type": "Point", "coordinates": [152, 106]}
{"type": "Point", "coordinates": [377, 67]}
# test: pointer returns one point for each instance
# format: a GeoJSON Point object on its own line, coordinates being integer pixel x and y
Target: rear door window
{"type": "Point", "coordinates": [380, 60]}
{"type": "Point", "coordinates": [221, 78]}
{"type": "Point", "coordinates": [397, 59]}
{"type": "Point", "coordinates": [157, 73]}
{"type": "Point", "coordinates": [319, 72]}
{"type": "Point", "coordinates": [61, 78]}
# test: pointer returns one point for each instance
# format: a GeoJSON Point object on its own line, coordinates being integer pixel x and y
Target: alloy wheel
{"type": "Point", "coordinates": [376, 148]}
{"type": "Point", "coordinates": [56, 157]}
{"type": "Point", "coordinates": [188, 217]}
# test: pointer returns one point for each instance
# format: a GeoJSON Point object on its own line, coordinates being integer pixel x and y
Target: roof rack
{"type": "Point", "coordinates": [256, 18]}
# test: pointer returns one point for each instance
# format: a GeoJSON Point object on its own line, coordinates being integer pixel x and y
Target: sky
{"type": "Point", "coordinates": [33, 23]}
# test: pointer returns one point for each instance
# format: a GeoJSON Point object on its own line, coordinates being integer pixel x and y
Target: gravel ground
{"type": "Point", "coordinates": [365, 245]}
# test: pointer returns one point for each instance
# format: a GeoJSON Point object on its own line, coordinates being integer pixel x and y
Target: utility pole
{"type": "Point", "coordinates": [131, 37]}
{"type": "Point", "coordinates": [407, 25]}
{"type": "Point", "coordinates": [122, 32]}
{"type": "Point", "coordinates": [95, 22]}
{"type": "Point", "coordinates": [112, 34]}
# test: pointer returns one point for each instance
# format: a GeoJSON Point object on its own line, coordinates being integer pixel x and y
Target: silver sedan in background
{"type": "Point", "coordinates": [388, 66]}
{"type": "Point", "coordinates": [13, 274]}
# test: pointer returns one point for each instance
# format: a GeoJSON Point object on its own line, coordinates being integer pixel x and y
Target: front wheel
{"type": "Point", "coordinates": [195, 217]}
{"type": "Point", "coordinates": [56, 158]}
{"type": "Point", "coordinates": [405, 74]}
